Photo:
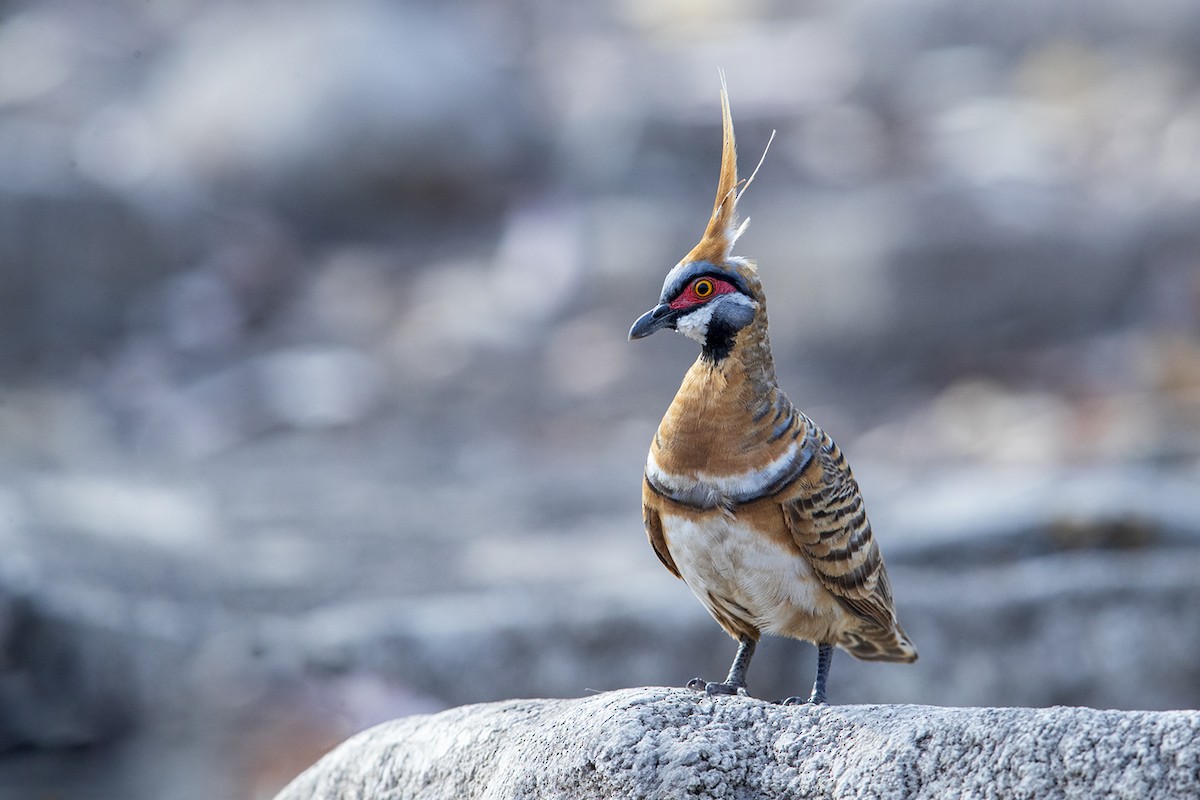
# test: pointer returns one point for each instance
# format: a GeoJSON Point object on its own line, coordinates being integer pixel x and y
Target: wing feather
{"type": "Point", "coordinates": [654, 531]}
{"type": "Point", "coordinates": [824, 513]}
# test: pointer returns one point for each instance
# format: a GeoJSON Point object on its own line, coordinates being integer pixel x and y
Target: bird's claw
{"type": "Point", "coordinates": [712, 688]}
{"type": "Point", "coordinates": [795, 700]}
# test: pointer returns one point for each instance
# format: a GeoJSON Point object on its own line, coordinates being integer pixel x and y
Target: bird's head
{"type": "Point", "coordinates": [711, 295]}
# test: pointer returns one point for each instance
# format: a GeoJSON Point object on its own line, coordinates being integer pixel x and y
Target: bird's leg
{"type": "Point", "coordinates": [824, 658]}
{"type": "Point", "coordinates": [735, 682]}
{"type": "Point", "coordinates": [817, 698]}
{"type": "Point", "coordinates": [741, 663]}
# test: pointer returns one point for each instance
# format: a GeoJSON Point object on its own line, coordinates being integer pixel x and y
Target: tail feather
{"type": "Point", "coordinates": [880, 645]}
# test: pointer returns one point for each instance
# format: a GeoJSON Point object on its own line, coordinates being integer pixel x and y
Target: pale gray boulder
{"type": "Point", "coordinates": [655, 742]}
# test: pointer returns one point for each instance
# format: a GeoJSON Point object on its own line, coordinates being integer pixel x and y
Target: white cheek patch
{"type": "Point", "coordinates": [694, 324]}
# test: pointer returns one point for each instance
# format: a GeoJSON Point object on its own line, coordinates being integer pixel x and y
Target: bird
{"type": "Point", "coordinates": [744, 497]}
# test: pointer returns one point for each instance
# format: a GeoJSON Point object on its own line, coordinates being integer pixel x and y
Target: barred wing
{"type": "Point", "coordinates": [825, 515]}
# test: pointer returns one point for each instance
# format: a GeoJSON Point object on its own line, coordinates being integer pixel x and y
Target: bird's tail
{"type": "Point", "coordinates": [880, 645]}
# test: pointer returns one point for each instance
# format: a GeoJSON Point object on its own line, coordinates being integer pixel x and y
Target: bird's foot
{"type": "Point", "coordinates": [802, 701]}
{"type": "Point", "coordinates": [712, 688]}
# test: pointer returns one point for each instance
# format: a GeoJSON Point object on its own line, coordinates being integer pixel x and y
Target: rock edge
{"type": "Point", "coordinates": [655, 742]}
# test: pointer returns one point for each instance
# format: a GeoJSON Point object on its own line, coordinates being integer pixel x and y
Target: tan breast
{"type": "Point", "coordinates": [722, 422]}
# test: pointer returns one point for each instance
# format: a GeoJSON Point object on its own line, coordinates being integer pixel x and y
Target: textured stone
{"type": "Point", "coordinates": [654, 742]}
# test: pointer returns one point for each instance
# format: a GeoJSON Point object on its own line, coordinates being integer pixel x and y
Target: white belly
{"type": "Point", "coordinates": [719, 556]}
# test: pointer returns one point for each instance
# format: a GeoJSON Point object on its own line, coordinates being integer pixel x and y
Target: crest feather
{"type": "Point", "coordinates": [723, 227]}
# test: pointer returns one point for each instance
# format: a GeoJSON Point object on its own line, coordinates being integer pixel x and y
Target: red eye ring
{"type": "Point", "coordinates": [701, 290]}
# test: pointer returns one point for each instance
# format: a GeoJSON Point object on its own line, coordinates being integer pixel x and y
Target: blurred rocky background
{"type": "Point", "coordinates": [316, 407]}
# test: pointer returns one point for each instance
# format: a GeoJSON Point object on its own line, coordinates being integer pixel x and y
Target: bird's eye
{"type": "Point", "coordinates": [702, 288]}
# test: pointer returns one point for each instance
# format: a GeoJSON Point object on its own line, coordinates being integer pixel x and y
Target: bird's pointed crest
{"type": "Point", "coordinates": [723, 227]}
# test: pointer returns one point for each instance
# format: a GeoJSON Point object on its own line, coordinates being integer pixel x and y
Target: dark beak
{"type": "Point", "coordinates": [661, 316]}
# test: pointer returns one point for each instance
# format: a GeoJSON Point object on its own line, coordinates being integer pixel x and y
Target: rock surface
{"type": "Point", "coordinates": [654, 742]}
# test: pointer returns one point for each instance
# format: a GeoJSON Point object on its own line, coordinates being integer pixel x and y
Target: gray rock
{"type": "Point", "coordinates": [653, 742]}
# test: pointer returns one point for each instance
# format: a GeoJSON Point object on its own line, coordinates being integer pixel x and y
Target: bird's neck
{"type": "Point", "coordinates": [724, 417]}
{"type": "Point", "coordinates": [747, 358]}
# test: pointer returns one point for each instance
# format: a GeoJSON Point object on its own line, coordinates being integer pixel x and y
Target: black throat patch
{"type": "Point", "coordinates": [719, 340]}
